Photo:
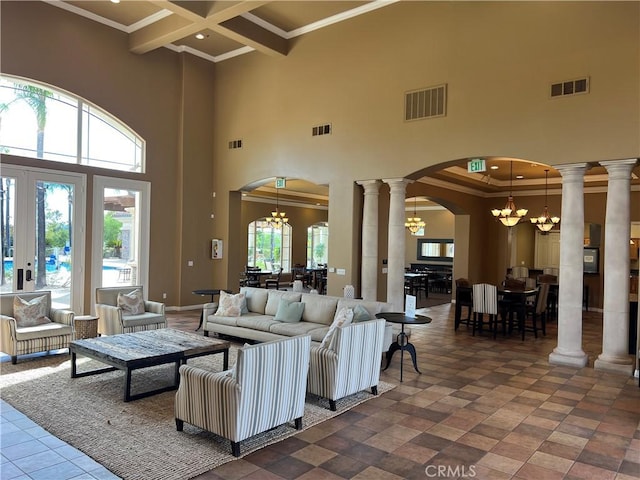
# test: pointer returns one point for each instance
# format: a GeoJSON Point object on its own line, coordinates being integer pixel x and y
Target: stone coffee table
{"type": "Point", "coordinates": [133, 351]}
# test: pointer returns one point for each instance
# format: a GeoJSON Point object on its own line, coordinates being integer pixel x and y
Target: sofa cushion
{"type": "Point", "coordinates": [371, 306]}
{"type": "Point", "coordinates": [343, 317]}
{"type": "Point", "coordinates": [320, 308]}
{"type": "Point", "coordinates": [273, 300]}
{"type": "Point", "coordinates": [293, 329]}
{"type": "Point", "coordinates": [147, 318]}
{"type": "Point", "coordinates": [230, 305]}
{"type": "Point", "coordinates": [131, 303]}
{"type": "Point", "coordinates": [318, 334]}
{"type": "Point", "coordinates": [289, 312]}
{"type": "Point", "coordinates": [256, 299]}
{"type": "Point", "coordinates": [257, 322]}
{"type": "Point", "coordinates": [30, 313]}
{"type": "Point", "coordinates": [361, 314]}
{"type": "Point", "coordinates": [50, 329]}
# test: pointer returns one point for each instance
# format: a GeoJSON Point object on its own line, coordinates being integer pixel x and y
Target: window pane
{"type": "Point", "coordinates": [108, 144]}
{"type": "Point", "coordinates": [37, 122]}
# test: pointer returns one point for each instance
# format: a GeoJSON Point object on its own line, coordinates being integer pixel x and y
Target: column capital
{"type": "Point", "coordinates": [572, 169]}
{"type": "Point", "coordinates": [397, 184]}
{"type": "Point", "coordinates": [619, 169]}
{"type": "Point", "coordinates": [370, 186]}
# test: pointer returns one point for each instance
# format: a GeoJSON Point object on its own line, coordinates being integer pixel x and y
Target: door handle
{"type": "Point", "coordinates": [28, 276]}
{"type": "Point", "coordinates": [20, 282]}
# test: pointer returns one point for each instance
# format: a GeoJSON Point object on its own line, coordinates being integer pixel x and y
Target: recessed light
{"type": "Point", "coordinates": [115, 1]}
{"type": "Point", "coordinates": [200, 36]}
{"type": "Point", "coordinates": [494, 167]}
{"type": "Point", "coordinates": [519, 177]}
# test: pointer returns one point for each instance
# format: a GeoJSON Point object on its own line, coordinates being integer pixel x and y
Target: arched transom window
{"type": "Point", "coordinates": [41, 121]}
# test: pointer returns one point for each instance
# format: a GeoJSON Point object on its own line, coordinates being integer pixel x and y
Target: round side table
{"type": "Point", "coordinates": [86, 326]}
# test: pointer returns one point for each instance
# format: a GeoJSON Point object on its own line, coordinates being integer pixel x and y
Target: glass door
{"type": "Point", "coordinates": [41, 241]}
{"type": "Point", "coordinates": [120, 232]}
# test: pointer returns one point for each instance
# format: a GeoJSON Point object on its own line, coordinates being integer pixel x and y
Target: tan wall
{"type": "Point", "coordinates": [498, 60]}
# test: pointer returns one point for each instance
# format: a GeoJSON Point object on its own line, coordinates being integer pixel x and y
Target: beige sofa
{"type": "Point", "coordinates": [258, 323]}
{"type": "Point", "coordinates": [16, 340]}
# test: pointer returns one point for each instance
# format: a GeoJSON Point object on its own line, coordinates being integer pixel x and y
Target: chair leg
{"type": "Point", "coordinates": [179, 424]}
{"type": "Point", "coordinates": [374, 390]}
{"type": "Point", "coordinates": [14, 359]}
{"type": "Point", "coordinates": [235, 449]}
{"type": "Point", "coordinates": [332, 405]}
{"type": "Point", "coordinates": [298, 423]}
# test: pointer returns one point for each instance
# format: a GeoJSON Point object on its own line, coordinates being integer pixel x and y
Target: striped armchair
{"type": "Point", "coordinates": [16, 340]}
{"type": "Point", "coordinates": [112, 320]}
{"type": "Point", "coordinates": [265, 389]}
{"type": "Point", "coordinates": [350, 364]}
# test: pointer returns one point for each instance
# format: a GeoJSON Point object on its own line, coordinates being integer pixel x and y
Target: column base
{"type": "Point", "coordinates": [577, 359]}
{"type": "Point", "coordinates": [615, 365]}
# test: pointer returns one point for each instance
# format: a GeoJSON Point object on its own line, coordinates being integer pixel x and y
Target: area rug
{"type": "Point", "coordinates": [136, 440]}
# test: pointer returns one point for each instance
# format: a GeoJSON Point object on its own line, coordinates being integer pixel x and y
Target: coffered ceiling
{"type": "Point", "coordinates": [219, 30]}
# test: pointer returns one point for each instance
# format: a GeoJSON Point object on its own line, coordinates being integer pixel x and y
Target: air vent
{"type": "Point", "coordinates": [570, 87]}
{"type": "Point", "coordinates": [235, 144]}
{"type": "Point", "coordinates": [426, 103]}
{"type": "Point", "coordinates": [321, 130]}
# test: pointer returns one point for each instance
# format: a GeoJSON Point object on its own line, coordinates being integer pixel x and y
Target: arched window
{"type": "Point", "coordinates": [40, 121]}
{"type": "Point", "coordinates": [269, 247]}
{"type": "Point", "coordinates": [317, 244]}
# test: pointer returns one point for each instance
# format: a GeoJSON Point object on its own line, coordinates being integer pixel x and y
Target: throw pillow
{"type": "Point", "coordinates": [30, 313]}
{"type": "Point", "coordinates": [230, 305]}
{"type": "Point", "coordinates": [361, 314]}
{"type": "Point", "coordinates": [343, 317]}
{"type": "Point", "coordinates": [131, 303]}
{"type": "Point", "coordinates": [289, 311]}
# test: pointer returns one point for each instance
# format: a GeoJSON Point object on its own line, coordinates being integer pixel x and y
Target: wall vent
{"type": "Point", "coordinates": [570, 87]}
{"type": "Point", "coordinates": [426, 103]}
{"type": "Point", "coordinates": [321, 130]}
{"type": "Point", "coordinates": [235, 144]}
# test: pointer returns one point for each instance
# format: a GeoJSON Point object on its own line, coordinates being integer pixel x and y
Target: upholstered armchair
{"type": "Point", "coordinates": [124, 310]}
{"type": "Point", "coordinates": [19, 336]}
{"type": "Point", "coordinates": [265, 389]}
{"type": "Point", "coordinates": [350, 363]}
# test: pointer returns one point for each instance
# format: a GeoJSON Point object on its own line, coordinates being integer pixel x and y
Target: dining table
{"type": "Point", "coordinates": [515, 302]}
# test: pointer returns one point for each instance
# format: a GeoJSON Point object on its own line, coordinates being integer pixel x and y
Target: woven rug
{"type": "Point", "coordinates": [135, 440]}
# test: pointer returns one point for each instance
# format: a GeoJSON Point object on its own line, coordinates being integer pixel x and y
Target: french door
{"type": "Point", "coordinates": [42, 233]}
{"type": "Point", "coordinates": [120, 246]}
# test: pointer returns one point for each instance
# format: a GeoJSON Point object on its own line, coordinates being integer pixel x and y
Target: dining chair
{"type": "Point", "coordinates": [464, 298]}
{"type": "Point", "coordinates": [274, 282]}
{"type": "Point", "coordinates": [485, 300]}
{"type": "Point", "coordinates": [538, 309]}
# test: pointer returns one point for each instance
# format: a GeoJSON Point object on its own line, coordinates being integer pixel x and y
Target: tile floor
{"type": "Point", "coordinates": [482, 408]}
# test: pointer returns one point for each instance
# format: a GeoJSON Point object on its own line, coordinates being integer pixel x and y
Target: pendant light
{"type": "Point", "coordinates": [545, 222]}
{"type": "Point", "coordinates": [415, 223]}
{"type": "Point", "coordinates": [509, 215]}
{"type": "Point", "coordinates": [277, 218]}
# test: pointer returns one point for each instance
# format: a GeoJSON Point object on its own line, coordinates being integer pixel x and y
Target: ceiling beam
{"type": "Point", "coordinates": [248, 33]}
{"type": "Point", "coordinates": [189, 18]}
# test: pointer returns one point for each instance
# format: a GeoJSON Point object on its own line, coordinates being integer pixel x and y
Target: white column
{"type": "Point", "coordinates": [396, 244]}
{"type": "Point", "coordinates": [369, 286]}
{"type": "Point", "coordinates": [615, 317]}
{"type": "Point", "coordinates": [570, 280]}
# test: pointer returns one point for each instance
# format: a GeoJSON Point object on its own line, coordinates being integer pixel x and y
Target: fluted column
{"type": "Point", "coordinates": [570, 280]}
{"type": "Point", "coordinates": [396, 244]}
{"type": "Point", "coordinates": [369, 287]}
{"type": "Point", "coordinates": [615, 316]}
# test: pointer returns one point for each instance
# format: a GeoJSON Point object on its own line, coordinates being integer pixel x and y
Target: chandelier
{"type": "Point", "coordinates": [545, 222]}
{"type": "Point", "coordinates": [415, 223]}
{"type": "Point", "coordinates": [277, 218]}
{"type": "Point", "coordinates": [509, 215]}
